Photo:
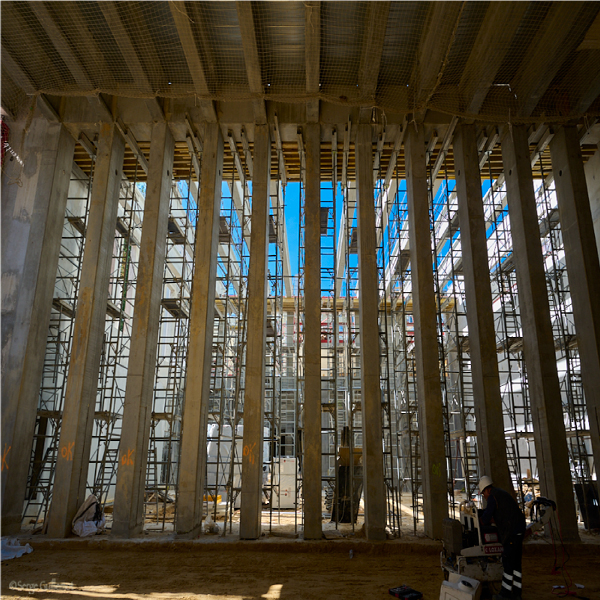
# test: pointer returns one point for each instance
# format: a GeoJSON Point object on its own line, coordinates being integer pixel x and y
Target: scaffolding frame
{"type": "Point", "coordinates": [516, 406]}
{"type": "Point", "coordinates": [57, 356]}
{"type": "Point", "coordinates": [403, 353]}
{"type": "Point", "coordinates": [164, 444]}
{"type": "Point", "coordinates": [391, 449]}
{"type": "Point", "coordinates": [298, 437]}
{"type": "Point", "coordinates": [114, 359]}
{"type": "Point", "coordinates": [455, 374]}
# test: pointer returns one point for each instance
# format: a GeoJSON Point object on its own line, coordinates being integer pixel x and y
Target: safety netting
{"type": "Point", "coordinates": [495, 61]}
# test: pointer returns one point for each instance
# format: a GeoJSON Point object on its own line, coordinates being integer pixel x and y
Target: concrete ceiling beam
{"type": "Point", "coordinates": [312, 51]}
{"type": "Point", "coordinates": [61, 44]}
{"type": "Point", "coordinates": [19, 76]}
{"type": "Point", "coordinates": [370, 59]}
{"type": "Point", "coordinates": [252, 59]}
{"type": "Point", "coordinates": [499, 26]}
{"type": "Point", "coordinates": [347, 132]}
{"type": "Point", "coordinates": [136, 68]}
{"type": "Point", "coordinates": [194, 62]}
{"type": "Point", "coordinates": [279, 146]}
{"type": "Point", "coordinates": [397, 145]}
{"type": "Point", "coordinates": [247, 153]}
{"type": "Point", "coordinates": [445, 148]}
{"type": "Point", "coordinates": [434, 46]}
{"type": "Point", "coordinates": [557, 37]}
{"type": "Point", "coordinates": [374, 36]}
{"type": "Point", "coordinates": [581, 83]}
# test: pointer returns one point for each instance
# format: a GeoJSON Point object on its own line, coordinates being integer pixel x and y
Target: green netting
{"type": "Point", "coordinates": [497, 61]}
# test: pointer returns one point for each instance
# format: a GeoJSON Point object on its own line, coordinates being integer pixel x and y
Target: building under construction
{"type": "Point", "coordinates": [329, 262]}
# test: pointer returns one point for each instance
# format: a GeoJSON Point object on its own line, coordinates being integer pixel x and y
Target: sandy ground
{"type": "Point", "coordinates": [271, 568]}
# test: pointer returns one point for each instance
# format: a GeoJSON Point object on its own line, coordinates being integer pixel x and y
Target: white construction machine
{"type": "Point", "coordinates": [473, 550]}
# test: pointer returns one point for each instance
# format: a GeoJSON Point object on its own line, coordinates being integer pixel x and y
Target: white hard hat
{"type": "Point", "coordinates": [484, 482]}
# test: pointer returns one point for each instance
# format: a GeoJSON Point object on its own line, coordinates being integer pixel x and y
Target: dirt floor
{"type": "Point", "coordinates": [271, 568]}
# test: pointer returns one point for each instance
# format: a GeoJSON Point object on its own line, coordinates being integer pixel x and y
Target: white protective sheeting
{"type": "Point", "coordinates": [89, 519]}
{"type": "Point", "coordinates": [12, 549]}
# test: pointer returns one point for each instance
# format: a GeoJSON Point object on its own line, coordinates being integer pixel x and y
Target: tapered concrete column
{"type": "Point", "coordinates": [538, 343]}
{"type": "Point", "coordinates": [429, 393]}
{"type": "Point", "coordinates": [254, 396]}
{"type": "Point", "coordinates": [31, 236]}
{"type": "Point", "coordinates": [480, 317]}
{"type": "Point", "coordinates": [375, 508]}
{"type": "Point", "coordinates": [80, 398]}
{"type": "Point", "coordinates": [311, 466]}
{"type": "Point", "coordinates": [583, 267]}
{"type": "Point", "coordinates": [592, 178]}
{"type": "Point", "coordinates": [128, 518]}
{"type": "Point", "coordinates": [192, 465]}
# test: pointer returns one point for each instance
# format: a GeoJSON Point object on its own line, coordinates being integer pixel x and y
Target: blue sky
{"type": "Point", "coordinates": [292, 215]}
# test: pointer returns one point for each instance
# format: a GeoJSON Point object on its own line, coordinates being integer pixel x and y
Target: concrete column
{"type": "Point", "coordinates": [252, 459]}
{"type": "Point", "coordinates": [311, 467]}
{"type": "Point", "coordinates": [592, 177]}
{"type": "Point", "coordinates": [480, 317]}
{"type": "Point", "coordinates": [80, 398]}
{"type": "Point", "coordinates": [429, 393]}
{"type": "Point", "coordinates": [538, 343]}
{"type": "Point", "coordinates": [254, 395]}
{"type": "Point", "coordinates": [192, 465]}
{"type": "Point", "coordinates": [31, 237]}
{"type": "Point", "coordinates": [128, 518]}
{"type": "Point", "coordinates": [375, 507]}
{"type": "Point", "coordinates": [583, 266]}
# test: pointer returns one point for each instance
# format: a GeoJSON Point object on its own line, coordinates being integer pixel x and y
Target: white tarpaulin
{"type": "Point", "coordinates": [12, 549]}
{"type": "Point", "coordinates": [89, 519]}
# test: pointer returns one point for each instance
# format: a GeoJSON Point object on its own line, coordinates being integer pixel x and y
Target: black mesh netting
{"type": "Point", "coordinates": [498, 61]}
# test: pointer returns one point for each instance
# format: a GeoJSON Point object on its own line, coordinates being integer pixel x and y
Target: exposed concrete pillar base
{"type": "Point", "coordinates": [375, 534]}
{"type": "Point", "coordinates": [124, 532]}
{"type": "Point", "coordinates": [190, 535]}
{"type": "Point", "coordinates": [11, 525]}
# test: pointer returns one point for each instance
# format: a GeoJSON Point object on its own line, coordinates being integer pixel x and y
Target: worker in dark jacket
{"type": "Point", "coordinates": [504, 511]}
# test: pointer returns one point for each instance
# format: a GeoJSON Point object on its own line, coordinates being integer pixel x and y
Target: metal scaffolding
{"type": "Point", "coordinates": [114, 360]}
{"type": "Point", "coordinates": [297, 435]}
{"type": "Point", "coordinates": [389, 404]}
{"type": "Point", "coordinates": [340, 358]}
{"type": "Point", "coordinates": [516, 407]}
{"type": "Point", "coordinates": [58, 350]}
{"type": "Point", "coordinates": [160, 498]}
{"type": "Point", "coordinates": [565, 339]}
{"type": "Point", "coordinates": [280, 470]}
{"type": "Point", "coordinates": [455, 363]}
{"type": "Point", "coordinates": [403, 352]}
{"type": "Point", "coordinates": [348, 482]}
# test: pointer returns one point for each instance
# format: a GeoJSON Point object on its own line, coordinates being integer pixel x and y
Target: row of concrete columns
{"type": "Point", "coordinates": [28, 270]}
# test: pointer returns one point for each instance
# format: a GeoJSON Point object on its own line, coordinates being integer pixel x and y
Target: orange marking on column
{"type": "Point", "coordinates": [249, 452]}
{"type": "Point", "coordinates": [67, 451]}
{"type": "Point", "coordinates": [127, 459]}
{"type": "Point", "coordinates": [4, 456]}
